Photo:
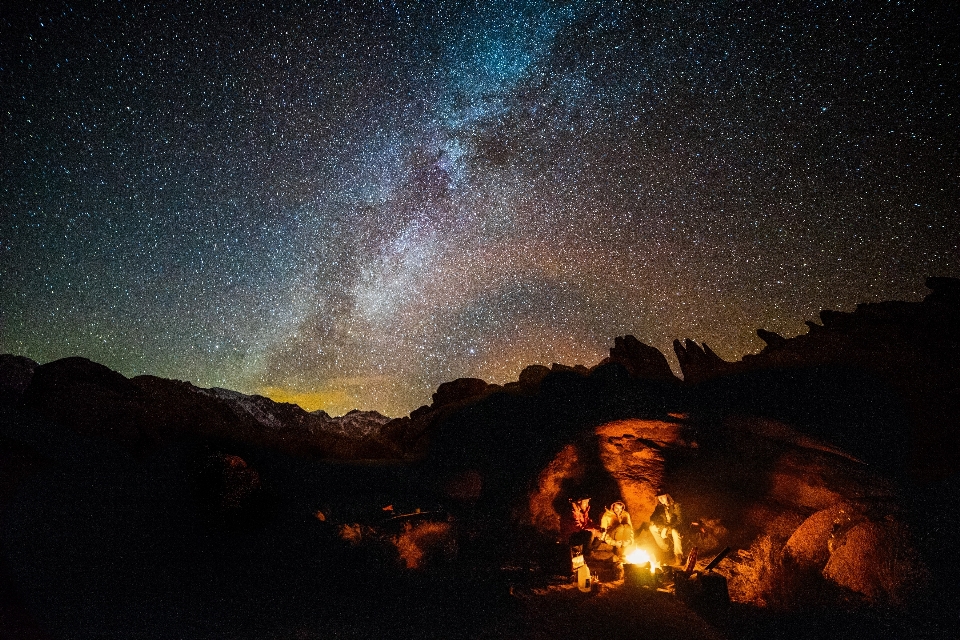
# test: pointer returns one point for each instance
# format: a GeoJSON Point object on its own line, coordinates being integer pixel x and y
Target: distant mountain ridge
{"type": "Point", "coordinates": [146, 411]}
{"type": "Point", "coordinates": [355, 423]}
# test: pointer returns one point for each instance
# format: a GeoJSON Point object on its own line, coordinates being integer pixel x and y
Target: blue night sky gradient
{"type": "Point", "coordinates": [347, 205]}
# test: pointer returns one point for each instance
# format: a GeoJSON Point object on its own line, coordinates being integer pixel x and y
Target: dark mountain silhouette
{"type": "Point", "coordinates": [147, 507]}
{"type": "Point", "coordinates": [146, 411]}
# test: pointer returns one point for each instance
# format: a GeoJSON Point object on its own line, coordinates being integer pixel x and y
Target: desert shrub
{"type": "Point", "coordinates": [752, 574]}
{"type": "Point", "coordinates": [425, 543]}
{"type": "Point", "coordinates": [352, 533]}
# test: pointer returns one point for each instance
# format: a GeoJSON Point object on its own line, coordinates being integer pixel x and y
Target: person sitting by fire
{"type": "Point", "coordinates": [614, 525]}
{"type": "Point", "coordinates": [665, 526]}
{"type": "Point", "coordinates": [616, 530]}
{"type": "Point", "coordinates": [579, 530]}
{"type": "Point", "coordinates": [578, 526]}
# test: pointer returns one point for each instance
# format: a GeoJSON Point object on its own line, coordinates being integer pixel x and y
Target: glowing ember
{"type": "Point", "coordinates": [640, 556]}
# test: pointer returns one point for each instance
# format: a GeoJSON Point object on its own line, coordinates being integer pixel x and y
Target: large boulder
{"type": "Point", "coordinates": [809, 544]}
{"type": "Point", "coordinates": [633, 454]}
{"type": "Point", "coordinates": [877, 560]}
{"type": "Point", "coordinates": [459, 391]}
{"type": "Point", "coordinates": [532, 376]}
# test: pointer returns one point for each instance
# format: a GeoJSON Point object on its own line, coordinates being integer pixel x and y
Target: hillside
{"type": "Point", "coordinates": [827, 463]}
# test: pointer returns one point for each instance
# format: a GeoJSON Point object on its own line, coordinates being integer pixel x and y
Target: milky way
{"type": "Point", "coordinates": [345, 207]}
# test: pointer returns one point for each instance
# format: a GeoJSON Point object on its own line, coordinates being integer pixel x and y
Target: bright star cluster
{"type": "Point", "coordinates": [346, 204]}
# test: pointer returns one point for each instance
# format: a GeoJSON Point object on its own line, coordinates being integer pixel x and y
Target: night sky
{"type": "Point", "coordinates": [346, 206]}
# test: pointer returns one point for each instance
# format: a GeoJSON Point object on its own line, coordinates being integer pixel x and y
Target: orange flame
{"type": "Point", "coordinates": [641, 556]}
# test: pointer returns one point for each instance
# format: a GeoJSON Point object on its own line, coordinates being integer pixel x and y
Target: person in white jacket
{"type": "Point", "coordinates": [616, 529]}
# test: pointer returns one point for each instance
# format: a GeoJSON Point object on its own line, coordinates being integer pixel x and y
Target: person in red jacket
{"type": "Point", "coordinates": [579, 529]}
{"type": "Point", "coordinates": [580, 511]}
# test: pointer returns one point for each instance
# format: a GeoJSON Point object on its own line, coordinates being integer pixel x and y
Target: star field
{"type": "Point", "coordinates": [344, 205]}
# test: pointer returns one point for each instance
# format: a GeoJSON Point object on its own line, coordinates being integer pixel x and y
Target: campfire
{"type": "Point", "coordinates": [640, 568]}
{"type": "Point", "coordinates": [638, 556]}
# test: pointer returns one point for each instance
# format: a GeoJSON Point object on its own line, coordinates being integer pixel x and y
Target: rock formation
{"type": "Point", "coordinates": [808, 522]}
{"type": "Point", "coordinates": [901, 356]}
{"type": "Point", "coordinates": [699, 363]}
{"type": "Point", "coordinates": [640, 360]}
{"type": "Point", "coordinates": [459, 391]}
{"type": "Point", "coordinates": [629, 454]}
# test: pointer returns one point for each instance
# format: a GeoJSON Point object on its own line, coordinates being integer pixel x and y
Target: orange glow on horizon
{"type": "Point", "coordinates": [332, 400]}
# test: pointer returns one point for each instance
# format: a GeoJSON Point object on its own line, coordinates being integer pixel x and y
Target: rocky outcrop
{"type": "Point", "coordinates": [772, 338]}
{"type": "Point", "coordinates": [867, 368]}
{"type": "Point", "coordinates": [532, 376]}
{"type": "Point", "coordinates": [460, 391]}
{"type": "Point", "coordinates": [808, 522]}
{"type": "Point", "coordinates": [528, 383]}
{"type": "Point", "coordinates": [412, 434]}
{"type": "Point", "coordinates": [811, 522]}
{"type": "Point", "coordinates": [877, 560]}
{"type": "Point", "coordinates": [486, 443]}
{"type": "Point", "coordinates": [619, 460]}
{"type": "Point", "coordinates": [699, 363]}
{"type": "Point", "coordinates": [859, 550]}
{"type": "Point", "coordinates": [641, 360]}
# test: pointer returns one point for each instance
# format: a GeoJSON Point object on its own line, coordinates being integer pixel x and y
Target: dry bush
{"type": "Point", "coordinates": [752, 574]}
{"type": "Point", "coordinates": [352, 533]}
{"type": "Point", "coordinates": [425, 543]}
